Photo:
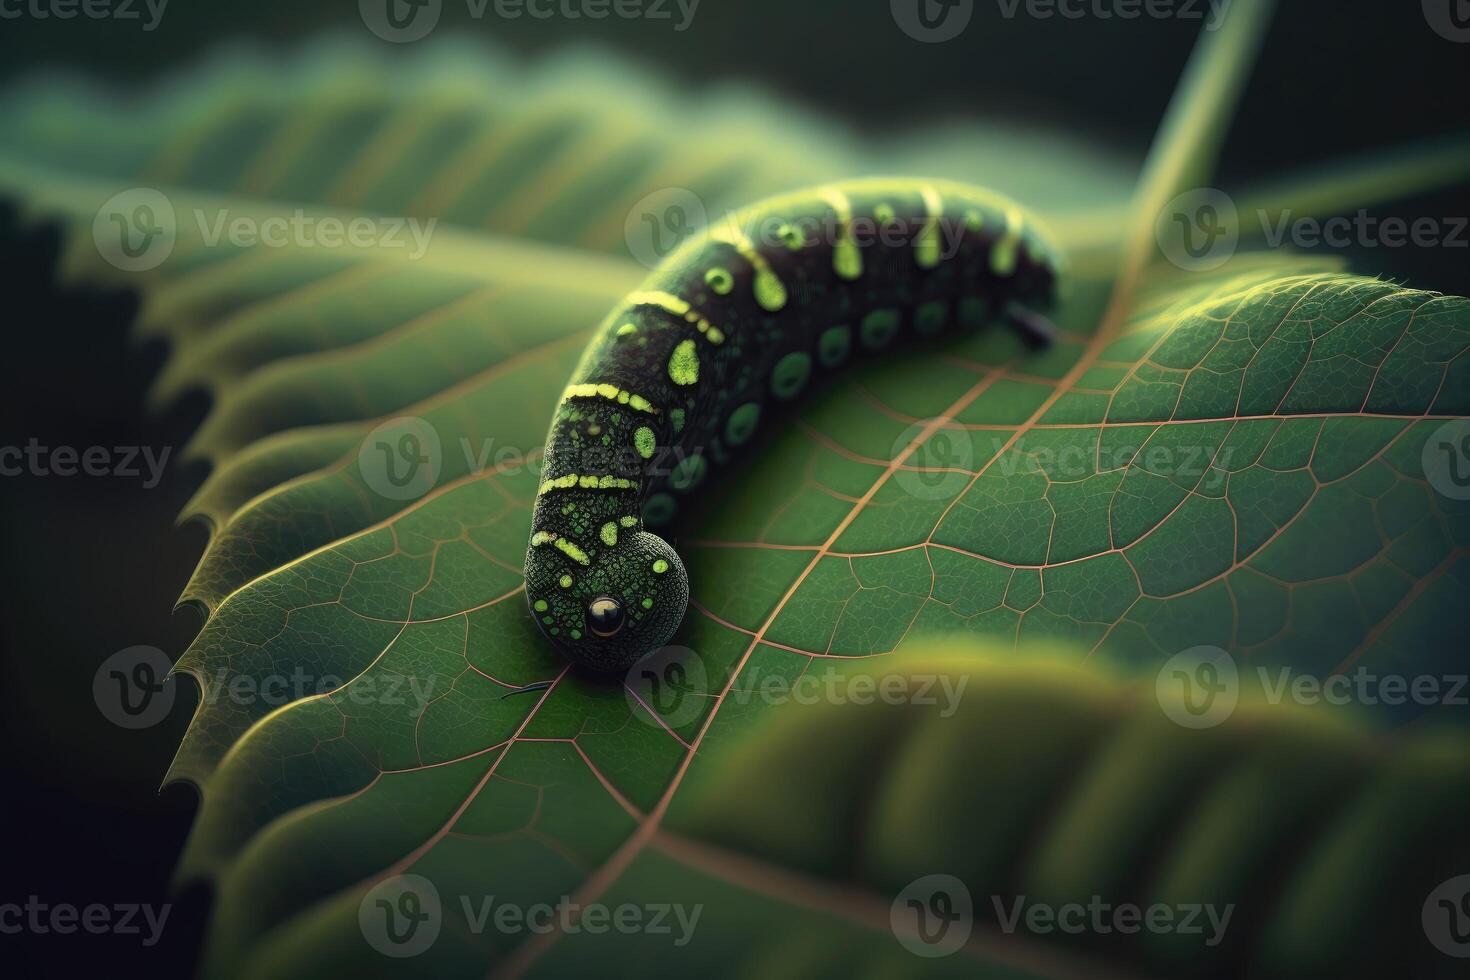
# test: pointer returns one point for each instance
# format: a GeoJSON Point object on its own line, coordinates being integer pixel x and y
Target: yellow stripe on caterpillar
{"type": "Point", "coordinates": [611, 393]}
{"type": "Point", "coordinates": [565, 545]}
{"type": "Point", "coordinates": [582, 482]}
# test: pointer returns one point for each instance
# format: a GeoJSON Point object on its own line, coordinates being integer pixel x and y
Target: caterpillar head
{"type": "Point", "coordinates": [625, 602]}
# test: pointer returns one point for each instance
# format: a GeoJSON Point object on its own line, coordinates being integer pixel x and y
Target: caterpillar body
{"type": "Point", "coordinates": [740, 319]}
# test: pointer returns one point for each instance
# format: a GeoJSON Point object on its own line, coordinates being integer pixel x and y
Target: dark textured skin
{"type": "Point", "coordinates": [595, 436]}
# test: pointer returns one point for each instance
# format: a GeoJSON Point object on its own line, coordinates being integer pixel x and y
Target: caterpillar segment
{"type": "Point", "coordinates": [742, 319]}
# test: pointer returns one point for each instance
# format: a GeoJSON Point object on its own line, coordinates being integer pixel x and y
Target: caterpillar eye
{"type": "Point", "coordinates": [604, 616]}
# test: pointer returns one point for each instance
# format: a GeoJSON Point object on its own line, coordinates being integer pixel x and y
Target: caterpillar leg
{"type": "Point", "coordinates": [1035, 330]}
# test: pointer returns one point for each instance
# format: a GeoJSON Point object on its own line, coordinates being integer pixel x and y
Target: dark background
{"type": "Point", "coordinates": [92, 565]}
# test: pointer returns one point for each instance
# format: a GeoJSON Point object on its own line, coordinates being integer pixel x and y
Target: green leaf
{"type": "Point", "coordinates": [1056, 784]}
{"type": "Point", "coordinates": [1232, 459]}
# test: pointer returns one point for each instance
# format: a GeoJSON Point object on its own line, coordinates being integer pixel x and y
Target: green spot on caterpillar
{"type": "Point", "coordinates": [847, 260]}
{"type": "Point", "coordinates": [609, 534]}
{"type": "Point", "coordinates": [572, 551]}
{"type": "Point", "coordinates": [1003, 255]}
{"type": "Point", "coordinates": [791, 236]}
{"type": "Point", "coordinates": [930, 318]}
{"type": "Point", "coordinates": [561, 544]}
{"type": "Point", "coordinates": [833, 346]}
{"type": "Point", "coordinates": [565, 581]}
{"type": "Point", "coordinates": [628, 521]}
{"type": "Point", "coordinates": [540, 605]}
{"type": "Point", "coordinates": [790, 375]}
{"type": "Point", "coordinates": [660, 566]}
{"type": "Point", "coordinates": [719, 280]}
{"type": "Point", "coordinates": [659, 509]}
{"type": "Point", "coordinates": [647, 603]}
{"type": "Point", "coordinates": [883, 214]}
{"type": "Point", "coordinates": [742, 422]}
{"type": "Point", "coordinates": [926, 244]}
{"type": "Point", "coordinates": [583, 482]}
{"type": "Point", "coordinates": [770, 293]}
{"type": "Point", "coordinates": [684, 364]}
{"type": "Point", "coordinates": [626, 330]}
{"type": "Point", "coordinates": [974, 311]}
{"type": "Point", "coordinates": [879, 328]}
{"type": "Point", "coordinates": [644, 442]}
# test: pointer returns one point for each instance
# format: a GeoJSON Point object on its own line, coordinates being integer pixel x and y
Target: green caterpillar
{"type": "Point", "coordinates": [741, 318]}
